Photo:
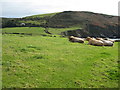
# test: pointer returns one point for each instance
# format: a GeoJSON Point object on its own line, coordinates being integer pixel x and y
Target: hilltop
{"type": "Point", "coordinates": [68, 18]}
{"type": "Point", "coordinates": [86, 23]}
{"type": "Point", "coordinates": [92, 24]}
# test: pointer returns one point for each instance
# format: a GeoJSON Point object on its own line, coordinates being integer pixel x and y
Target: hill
{"type": "Point", "coordinates": [92, 24]}
{"type": "Point", "coordinates": [68, 18]}
{"type": "Point", "coordinates": [30, 21]}
{"type": "Point", "coordinates": [85, 23]}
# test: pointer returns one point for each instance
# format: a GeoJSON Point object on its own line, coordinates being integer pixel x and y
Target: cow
{"type": "Point", "coordinates": [110, 40]}
{"type": "Point", "coordinates": [93, 41]}
{"type": "Point", "coordinates": [107, 42]}
{"type": "Point", "coordinates": [75, 39]}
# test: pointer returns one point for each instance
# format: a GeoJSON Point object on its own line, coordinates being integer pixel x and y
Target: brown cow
{"type": "Point", "coordinates": [107, 42]}
{"type": "Point", "coordinates": [93, 41]}
{"type": "Point", "coordinates": [76, 39]}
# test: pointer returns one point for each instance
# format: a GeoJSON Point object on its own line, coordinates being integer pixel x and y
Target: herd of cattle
{"type": "Point", "coordinates": [92, 41]}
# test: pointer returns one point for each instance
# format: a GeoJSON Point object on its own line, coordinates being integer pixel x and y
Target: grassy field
{"type": "Point", "coordinates": [36, 30]}
{"type": "Point", "coordinates": [26, 30]}
{"type": "Point", "coordinates": [54, 62]}
{"type": "Point", "coordinates": [58, 31]}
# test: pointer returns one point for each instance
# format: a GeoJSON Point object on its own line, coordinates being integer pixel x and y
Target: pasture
{"type": "Point", "coordinates": [54, 62]}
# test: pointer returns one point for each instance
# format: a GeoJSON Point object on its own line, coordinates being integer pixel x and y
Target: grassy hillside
{"type": "Point", "coordinates": [92, 24]}
{"type": "Point", "coordinates": [30, 21]}
{"type": "Point", "coordinates": [54, 62]}
{"type": "Point", "coordinates": [40, 15]}
{"type": "Point", "coordinates": [66, 19]}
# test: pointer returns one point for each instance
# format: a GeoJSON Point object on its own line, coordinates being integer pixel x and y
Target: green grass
{"type": "Point", "coordinates": [59, 30]}
{"type": "Point", "coordinates": [54, 62]}
{"type": "Point", "coordinates": [41, 15]}
{"type": "Point", "coordinates": [26, 30]}
{"type": "Point", "coordinates": [36, 30]}
{"type": "Point", "coordinates": [31, 22]}
{"type": "Point", "coordinates": [48, 14]}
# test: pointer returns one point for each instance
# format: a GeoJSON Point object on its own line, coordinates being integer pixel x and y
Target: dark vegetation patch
{"type": "Point", "coordinates": [35, 47]}
{"type": "Point", "coordinates": [105, 53]}
{"type": "Point", "coordinates": [23, 50]}
{"type": "Point", "coordinates": [26, 50]}
{"type": "Point", "coordinates": [29, 48]}
{"type": "Point", "coordinates": [113, 74]}
{"type": "Point", "coordinates": [38, 57]}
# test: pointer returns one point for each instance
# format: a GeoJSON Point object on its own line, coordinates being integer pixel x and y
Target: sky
{"type": "Point", "coordinates": [22, 8]}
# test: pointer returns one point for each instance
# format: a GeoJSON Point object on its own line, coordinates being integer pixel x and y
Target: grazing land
{"type": "Point", "coordinates": [35, 61]}
{"type": "Point", "coordinates": [75, 23]}
{"type": "Point", "coordinates": [36, 30]}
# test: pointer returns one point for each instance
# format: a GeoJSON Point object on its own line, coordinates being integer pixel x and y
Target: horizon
{"type": "Point", "coordinates": [19, 9]}
{"type": "Point", "coordinates": [55, 12]}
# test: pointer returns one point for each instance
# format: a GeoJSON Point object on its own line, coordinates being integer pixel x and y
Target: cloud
{"type": "Point", "coordinates": [20, 8]}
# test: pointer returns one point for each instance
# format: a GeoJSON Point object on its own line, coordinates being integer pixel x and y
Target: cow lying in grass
{"type": "Point", "coordinates": [93, 41]}
{"type": "Point", "coordinates": [107, 42]}
{"type": "Point", "coordinates": [76, 39]}
{"type": "Point", "coordinates": [110, 40]}
{"type": "Point", "coordinates": [99, 42]}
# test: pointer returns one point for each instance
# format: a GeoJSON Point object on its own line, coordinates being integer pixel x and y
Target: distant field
{"type": "Point", "coordinates": [54, 62]}
{"type": "Point", "coordinates": [57, 31]}
{"type": "Point", "coordinates": [36, 30]}
{"type": "Point", "coordinates": [29, 30]}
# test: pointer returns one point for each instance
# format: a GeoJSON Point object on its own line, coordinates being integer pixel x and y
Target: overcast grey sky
{"type": "Point", "coordinates": [22, 8]}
